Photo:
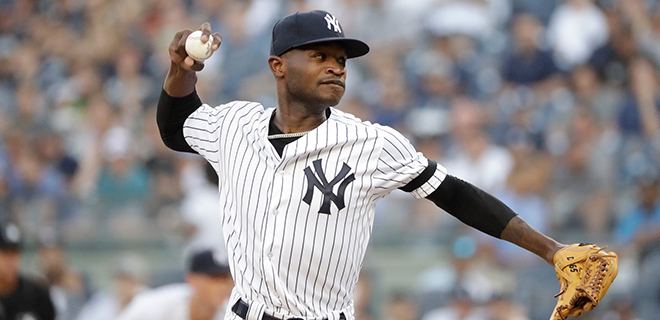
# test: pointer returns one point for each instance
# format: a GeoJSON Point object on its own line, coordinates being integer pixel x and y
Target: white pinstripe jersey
{"type": "Point", "coordinates": [296, 227]}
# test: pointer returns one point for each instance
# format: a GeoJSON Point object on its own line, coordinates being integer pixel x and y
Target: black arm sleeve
{"type": "Point", "coordinates": [171, 113]}
{"type": "Point", "coordinates": [472, 206]}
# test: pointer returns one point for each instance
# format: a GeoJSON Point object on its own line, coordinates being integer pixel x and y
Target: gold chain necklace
{"type": "Point", "coordinates": [287, 135]}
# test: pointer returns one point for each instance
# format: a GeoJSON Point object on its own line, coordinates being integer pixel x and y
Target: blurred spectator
{"type": "Point", "coordinates": [203, 297]}
{"type": "Point", "coordinates": [364, 291]}
{"type": "Point", "coordinates": [611, 59]}
{"type": "Point", "coordinates": [576, 29]}
{"type": "Point", "coordinates": [639, 228]}
{"type": "Point", "coordinates": [639, 120]}
{"type": "Point", "coordinates": [37, 189]}
{"type": "Point", "coordinates": [582, 185]}
{"type": "Point", "coordinates": [475, 18]}
{"type": "Point", "coordinates": [69, 289]}
{"type": "Point", "coordinates": [475, 158]}
{"type": "Point", "coordinates": [502, 308]}
{"type": "Point", "coordinates": [247, 53]}
{"type": "Point", "coordinates": [622, 309]}
{"type": "Point", "coordinates": [400, 306]}
{"type": "Point", "coordinates": [601, 99]}
{"type": "Point", "coordinates": [51, 151]}
{"type": "Point", "coordinates": [121, 180]}
{"type": "Point", "coordinates": [129, 89]}
{"type": "Point", "coordinates": [130, 277]}
{"type": "Point", "coordinates": [470, 267]}
{"type": "Point", "coordinates": [392, 98]}
{"type": "Point", "coordinates": [435, 85]}
{"type": "Point", "coordinates": [54, 157]}
{"type": "Point", "coordinates": [459, 307]}
{"type": "Point", "coordinates": [21, 297]}
{"type": "Point", "coordinates": [122, 185]}
{"type": "Point", "coordinates": [639, 112]}
{"type": "Point", "coordinates": [527, 63]}
{"type": "Point", "coordinates": [642, 17]}
{"type": "Point", "coordinates": [646, 296]}
{"type": "Point", "coordinates": [398, 23]}
{"type": "Point", "coordinates": [541, 9]}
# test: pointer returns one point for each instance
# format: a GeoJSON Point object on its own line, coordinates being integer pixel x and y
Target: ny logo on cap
{"type": "Point", "coordinates": [326, 187]}
{"type": "Point", "coordinates": [332, 22]}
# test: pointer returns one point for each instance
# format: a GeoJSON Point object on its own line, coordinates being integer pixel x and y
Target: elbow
{"type": "Point", "coordinates": [169, 142]}
{"type": "Point", "coordinates": [165, 136]}
{"type": "Point", "coordinates": [176, 143]}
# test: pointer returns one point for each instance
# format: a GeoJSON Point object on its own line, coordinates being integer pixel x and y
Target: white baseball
{"type": "Point", "coordinates": [196, 49]}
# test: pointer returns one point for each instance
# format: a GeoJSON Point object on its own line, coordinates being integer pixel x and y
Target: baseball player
{"type": "Point", "coordinates": [299, 182]}
{"type": "Point", "coordinates": [202, 297]}
{"type": "Point", "coordinates": [21, 297]}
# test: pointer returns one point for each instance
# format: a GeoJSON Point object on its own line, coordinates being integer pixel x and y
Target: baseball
{"type": "Point", "coordinates": [196, 49]}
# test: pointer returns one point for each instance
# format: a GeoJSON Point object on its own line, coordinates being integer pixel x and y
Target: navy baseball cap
{"type": "Point", "coordinates": [10, 236]}
{"type": "Point", "coordinates": [208, 262]}
{"type": "Point", "coordinates": [302, 28]}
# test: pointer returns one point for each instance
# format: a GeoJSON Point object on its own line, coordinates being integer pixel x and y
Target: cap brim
{"type": "Point", "coordinates": [354, 47]}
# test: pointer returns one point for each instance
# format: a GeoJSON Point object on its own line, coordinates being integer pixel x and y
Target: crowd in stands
{"type": "Point", "coordinates": [553, 106]}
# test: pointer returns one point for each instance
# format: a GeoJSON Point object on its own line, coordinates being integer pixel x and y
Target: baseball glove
{"type": "Point", "coordinates": [585, 272]}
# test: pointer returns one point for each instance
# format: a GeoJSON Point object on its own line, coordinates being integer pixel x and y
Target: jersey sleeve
{"type": "Point", "coordinates": [202, 131]}
{"type": "Point", "coordinates": [400, 166]}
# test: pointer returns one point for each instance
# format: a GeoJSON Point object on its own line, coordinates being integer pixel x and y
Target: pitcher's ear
{"type": "Point", "coordinates": [276, 64]}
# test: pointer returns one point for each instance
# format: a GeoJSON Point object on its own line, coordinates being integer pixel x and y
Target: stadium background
{"type": "Point", "coordinates": [553, 106]}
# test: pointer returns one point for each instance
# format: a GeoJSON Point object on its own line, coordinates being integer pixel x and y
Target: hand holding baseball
{"type": "Point", "coordinates": [190, 48]}
{"type": "Point", "coordinates": [198, 49]}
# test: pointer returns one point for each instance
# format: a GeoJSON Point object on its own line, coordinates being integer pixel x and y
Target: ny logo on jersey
{"type": "Point", "coordinates": [326, 187]}
{"type": "Point", "coordinates": [332, 22]}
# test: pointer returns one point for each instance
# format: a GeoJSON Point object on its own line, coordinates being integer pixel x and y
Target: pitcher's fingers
{"type": "Point", "coordinates": [217, 40]}
{"type": "Point", "coordinates": [188, 62]}
{"type": "Point", "coordinates": [206, 31]}
{"type": "Point", "coordinates": [192, 64]}
{"type": "Point", "coordinates": [180, 48]}
{"type": "Point", "coordinates": [197, 66]}
{"type": "Point", "coordinates": [180, 37]}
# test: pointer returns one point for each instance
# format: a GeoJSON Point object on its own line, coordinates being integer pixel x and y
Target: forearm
{"type": "Point", "coordinates": [472, 206]}
{"type": "Point", "coordinates": [520, 233]}
{"type": "Point", "coordinates": [179, 82]}
{"type": "Point", "coordinates": [486, 213]}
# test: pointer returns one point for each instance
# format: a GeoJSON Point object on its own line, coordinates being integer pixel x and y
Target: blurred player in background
{"type": "Point", "coordinates": [69, 288]}
{"type": "Point", "coordinates": [203, 296]}
{"type": "Point", "coordinates": [21, 297]}
{"type": "Point", "coordinates": [130, 278]}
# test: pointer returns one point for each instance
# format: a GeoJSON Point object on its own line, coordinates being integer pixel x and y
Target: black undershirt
{"type": "Point", "coordinates": [279, 143]}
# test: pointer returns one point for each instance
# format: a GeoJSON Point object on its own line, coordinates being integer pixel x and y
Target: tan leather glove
{"type": "Point", "coordinates": [585, 272]}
